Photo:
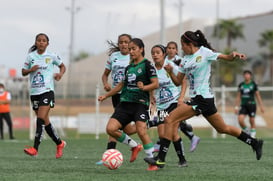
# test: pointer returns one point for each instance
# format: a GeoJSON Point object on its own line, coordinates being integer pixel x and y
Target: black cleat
{"type": "Point", "coordinates": [154, 161]}
{"type": "Point", "coordinates": [258, 148]}
{"type": "Point", "coordinates": [182, 163]}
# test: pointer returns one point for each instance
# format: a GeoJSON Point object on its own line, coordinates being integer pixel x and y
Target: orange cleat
{"type": "Point", "coordinates": [152, 168]}
{"type": "Point", "coordinates": [135, 151]}
{"type": "Point", "coordinates": [60, 147]}
{"type": "Point", "coordinates": [31, 151]}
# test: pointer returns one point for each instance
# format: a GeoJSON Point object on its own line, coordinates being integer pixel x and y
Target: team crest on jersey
{"type": "Point", "coordinates": [47, 60]}
{"type": "Point", "coordinates": [198, 59]}
{"type": "Point", "coordinates": [139, 70]}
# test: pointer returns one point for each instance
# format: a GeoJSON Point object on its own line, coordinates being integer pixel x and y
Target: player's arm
{"type": "Point", "coordinates": [259, 99]}
{"type": "Point", "coordinates": [149, 87]}
{"type": "Point", "coordinates": [112, 92]}
{"type": "Point", "coordinates": [177, 79]}
{"type": "Point", "coordinates": [59, 75]}
{"type": "Point", "coordinates": [232, 56]}
{"type": "Point", "coordinates": [27, 71]}
{"type": "Point", "coordinates": [104, 78]}
{"type": "Point", "coordinates": [183, 90]}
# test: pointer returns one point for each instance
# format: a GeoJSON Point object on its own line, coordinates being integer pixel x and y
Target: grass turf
{"type": "Point", "coordinates": [214, 160]}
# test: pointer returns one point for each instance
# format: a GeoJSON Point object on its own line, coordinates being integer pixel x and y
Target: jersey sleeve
{"type": "Point", "coordinates": [57, 60]}
{"type": "Point", "coordinates": [210, 55]}
{"type": "Point", "coordinates": [255, 87]}
{"type": "Point", "coordinates": [27, 63]}
{"type": "Point", "coordinates": [108, 64]}
{"type": "Point", "coordinates": [151, 72]}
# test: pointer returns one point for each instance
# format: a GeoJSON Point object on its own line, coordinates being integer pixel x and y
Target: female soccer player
{"type": "Point", "coordinates": [39, 65]}
{"type": "Point", "coordinates": [196, 65]}
{"type": "Point", "coordinates": [247, 90]}
{"type": "Point", "coordinates": [172, 55]}
{"type": "Point", "coordinates": [166, 98]}
{"type": "Point", "coordinates": [119, 59]}
{"type": "Point", "coordinates": [140, 78]}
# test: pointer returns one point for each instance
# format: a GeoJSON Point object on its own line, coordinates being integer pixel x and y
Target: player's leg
{"type": "Point", "coordinates": [182, 112]}
{"type": "Point", "coordinates": [7, 117]}
{"type": "Point", "coordinates": [252, 114]}
{"type": "Point", "coordinates": [218, 123]}
{"type": "Point", "coordinates": [188, 131]}
{"type": "Point", "coordinates": [179, 147]}
{"type": "Point", "coordinates": [1, 126]}
{"type": "Point", "coordinates": [252, 126]}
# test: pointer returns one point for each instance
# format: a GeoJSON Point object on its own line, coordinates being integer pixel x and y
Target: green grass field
{"type": "Point", "coordinates": [214, 160]}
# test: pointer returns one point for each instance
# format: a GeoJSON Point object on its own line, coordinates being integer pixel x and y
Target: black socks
{"type": "Point", "coordinates": [52, 133]}
{"type": "Point", "coordinates": [39, 131]}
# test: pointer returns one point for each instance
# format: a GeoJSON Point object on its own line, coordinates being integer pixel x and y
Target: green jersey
{"type": "Point", "coordinates": [144, 71]}
{"type": "Point", "coordinates": [248, 92]}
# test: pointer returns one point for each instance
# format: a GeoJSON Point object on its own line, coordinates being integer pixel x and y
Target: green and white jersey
{"type": "Point", "coordinates": [42, 80]}
{"type": "Point", "coordinates": [144, 71]}
{"type": "Point", "coordinates": [117, 63]}
{"type": "Point", "coordinates": [197, 68]}
{"type": "Point", "coordinates": [168, 92]}
{"type": "Point", "coordinates": [248, 92]}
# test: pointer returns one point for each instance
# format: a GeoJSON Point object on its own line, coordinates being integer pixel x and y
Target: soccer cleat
{"type": "Point", "coordinates": [194, 142]}
{"type": "Point", "coordinates": [31, 151]}
{"type": "Point", "coordinates": [258, 148]}
{"type": "Point", "coordinates": [99, 162]}
{"type": "Point", "coordinates": [154, 161]}
{"type": "Point", "coordinates": [135, 150]}
{"type": "Point", "coordinates": [59, 151]}
{"type": "Point", "coordinates": [182, 163]}
{"type": "Point", "coordinates": [152, 168]}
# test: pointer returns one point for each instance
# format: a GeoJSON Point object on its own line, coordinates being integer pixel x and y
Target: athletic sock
{"type": "Point", "coordinates": [247, 139]}
{"type": "Point", "coordinates": [39, 131]}
{"type": "Point", "coordinates": [253, 132]}
{"type": "Point", "coordinates": [127, 140]}
{"type": "Point", "coordinates": [186, 129]}
{"type": "Point", "coordinates": [149, 149]}
{"type": "Point", "coordinates": [52, 133]}
{"type": "Point", "coordinates": [111, 145]}
{"type": "Point", "coordinates": [179, 148]}
{"type": "Point", "coordinates": [164, 147]}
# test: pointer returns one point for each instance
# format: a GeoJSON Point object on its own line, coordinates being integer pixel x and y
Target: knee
{"type": "Point", "coordinates": [110, 130]}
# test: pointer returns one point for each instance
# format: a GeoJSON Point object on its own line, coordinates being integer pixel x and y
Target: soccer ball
{"type": "Point", "coordinates": [112, 159]}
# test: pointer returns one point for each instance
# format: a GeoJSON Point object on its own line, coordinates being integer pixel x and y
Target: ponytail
{"type": "Point", "coordinates": [114, 47]}
{"type": "Point", "coordinates": [197, 38]}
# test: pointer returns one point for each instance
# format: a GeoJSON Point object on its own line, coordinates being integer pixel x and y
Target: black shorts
{"type": "Point", "coordinates": [248, 109]}
{"type": "Point", "coordinates": [115, 100]}
{"type": "Point", "coordinates": [201, 105]}
{"type": "Point", "coordinates": [161, 114]}
{"type": "Point", "coordinates": [126, 112]}
{"type": "Point", "coordinates": [44, 99]}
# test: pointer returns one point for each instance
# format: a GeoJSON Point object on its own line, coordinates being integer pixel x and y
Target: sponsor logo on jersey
{"type": "Point", "coordinates": [198, 59]}
{"type": "Point", "coordinates": [47, 60]}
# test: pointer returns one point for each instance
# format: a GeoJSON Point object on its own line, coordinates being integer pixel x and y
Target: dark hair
{"type": "Point", "coordinates": [114, 46]}
{"type": "Point", "coordinates": [34, 47]}
{"type": "Point", "coordinates": [161, 47]}
{"type": "Point", "coordinates": [174, 43]}
{"type": "Point", "coordinates": [139, 43]}
{"type": "Point", "coordinates": [2, 85]}
{"type": "Point", "coordinates": [247, 72]}
{"type": "Point", "coordinates": [197, 38]}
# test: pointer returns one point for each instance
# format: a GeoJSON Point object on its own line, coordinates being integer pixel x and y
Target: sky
{"type": "Point", "coordinates": [97, 21]}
